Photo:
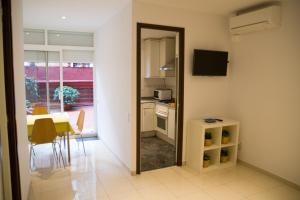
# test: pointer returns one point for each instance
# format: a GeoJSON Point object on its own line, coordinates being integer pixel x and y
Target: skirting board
{"type": "Point", "coordinates": [294, 185]}
{"type": "Point", "coordinates": [124, 165]}
{"type": "Point", "coordinates": [133, 173]}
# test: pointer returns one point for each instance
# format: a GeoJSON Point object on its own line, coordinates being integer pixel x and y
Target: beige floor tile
{"type": "Point", "coordinates": [99, 175]}
{"type": "Point", "coordinates": [223, 193]}
{"type": "Point", "coordinates": [158, 192]}
{"type": "Point", "coordinates": [244, 187]}
{"type": "Point", "coordinates": [196, 196]}
{"type": "Point", "coordinates": [278, 193]}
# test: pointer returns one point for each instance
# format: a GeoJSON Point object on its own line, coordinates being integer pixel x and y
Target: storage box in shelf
{"type": "Point", "coordinates": [216, 136]}
{"type": "Point", "coordinates": [232, 130]}
{"type": "Point", "coordinates": [231, 153]}
{"type": "Point", "coordinates": [214, 156]}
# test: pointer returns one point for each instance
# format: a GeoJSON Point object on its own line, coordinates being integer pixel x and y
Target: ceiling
{"type": "Point", "coordinates": [218, 7]}
{"type": "Point", "coordinates": [89, 15]}
{"type": "Point", "coordinates": [81, 15]}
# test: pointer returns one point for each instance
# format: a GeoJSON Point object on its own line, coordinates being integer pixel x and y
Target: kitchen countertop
{"type": "Point", "coordinates": [152, 100]}
{"type": "Point", "coordinates": [148, 100]}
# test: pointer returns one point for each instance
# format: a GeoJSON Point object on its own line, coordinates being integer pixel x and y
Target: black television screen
{"type": "Point", "coordinates": [210, 63]}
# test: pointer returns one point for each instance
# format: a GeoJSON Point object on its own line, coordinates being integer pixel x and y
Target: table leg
{"type": "Point", "coordinates": [69, 153]}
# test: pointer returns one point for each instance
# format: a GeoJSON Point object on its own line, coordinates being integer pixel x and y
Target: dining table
{"type": "Point", "coordinates": [61, 122]}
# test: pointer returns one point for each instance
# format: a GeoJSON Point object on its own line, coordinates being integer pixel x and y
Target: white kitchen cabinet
{"type": "Point", "coordinates": [147, 116]}
{"type": "Point", "coordinates": [159, 53]}
{"type": "Point", "coordinates": [171, 124]}
{"type": "Point", "coordinates": [151, 58]}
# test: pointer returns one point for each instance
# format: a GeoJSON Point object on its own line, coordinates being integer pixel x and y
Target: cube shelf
{"type": "Point", "coordinates": [196, 149]}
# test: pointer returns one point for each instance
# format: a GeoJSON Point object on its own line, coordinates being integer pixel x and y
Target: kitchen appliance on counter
{"type": "Point", "coordinates": [161, 119]}
{"type": "Point", "coordinates": [163, 94]}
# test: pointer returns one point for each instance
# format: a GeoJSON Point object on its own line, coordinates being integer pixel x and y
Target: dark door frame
{"type": "Point", "coordinates": [10, 99]}
{"type": "Point", "coordinates": [180, 99]}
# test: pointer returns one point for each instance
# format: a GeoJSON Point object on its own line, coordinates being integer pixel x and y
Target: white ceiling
{"type": "Point", "coordinates": [82, 15]}
{"type": "Point", "coordinates": [89, 15]}
{"type": "Point", "coordinates": [218, 7]}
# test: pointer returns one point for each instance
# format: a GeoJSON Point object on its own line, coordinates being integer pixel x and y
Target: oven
{"type": "Point", "coordinates": [161, 118]}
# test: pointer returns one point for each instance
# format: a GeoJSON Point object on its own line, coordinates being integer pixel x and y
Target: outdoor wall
{"type": "Point", "coordinates": [113, 79]}
{"type": "Point", "coordinates": [17, 27]}
{"type": "Point", "coordinates": [203, 96]}
{"type": "Point", "coordinates": [265, 95]}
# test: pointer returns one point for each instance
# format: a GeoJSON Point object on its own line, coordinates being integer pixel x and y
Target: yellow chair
{"type": "Point", "coordinates": [43, 132]}
{"type": "Point", "coordinates": [78, 130]}
{"type": "Point", "coordinates": [39, 110]}
{"type": "Point", "coordinates": [80, 122]}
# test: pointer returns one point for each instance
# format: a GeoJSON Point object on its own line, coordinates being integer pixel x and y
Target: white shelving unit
{"type": "Point", "coordinates": [196, 148]}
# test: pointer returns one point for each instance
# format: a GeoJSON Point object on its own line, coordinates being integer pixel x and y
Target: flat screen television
{"type": "Point", "coordinates": [210, 63]}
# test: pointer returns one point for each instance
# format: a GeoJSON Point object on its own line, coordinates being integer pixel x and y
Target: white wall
{"type": "Point", "coordinates": [113, 75]}
{"type": "Point", "coordinates": [203, 95]}
{"type": "Point", "coordinates": [18, 53]}
{"type": "Point", "coordinates": [265, 95]}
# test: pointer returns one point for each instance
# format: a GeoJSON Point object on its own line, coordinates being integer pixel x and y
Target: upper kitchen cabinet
{"type": "Point", "coordinates": [159, 57]}
{"type": "Point", "coordinates": [151, 58]}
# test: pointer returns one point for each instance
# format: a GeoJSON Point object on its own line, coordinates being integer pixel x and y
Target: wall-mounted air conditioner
{"type": "Point", "coordinates": [261, 19]}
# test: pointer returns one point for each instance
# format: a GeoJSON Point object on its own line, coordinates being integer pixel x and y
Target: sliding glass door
{"type": "Point", "coordinates": [78, 81]}
{"type": "Point", "coordinates": [62, 81]}
{"type": "Point", "coordinates": [42, 80]}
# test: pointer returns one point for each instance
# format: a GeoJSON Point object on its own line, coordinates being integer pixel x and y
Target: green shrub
{"type": "Point", "coordinates": [225, 133]}
{"type": "Point", "coordinates": [206, 157]}
{"type": "Point", "coordinates": [224, 152]}
{"type": "Point", "coordinates": [208, 135]}
{"type": "Point", "coordinates": [32, 94]}
{"type": "Point", "coordinates": [70, 94]}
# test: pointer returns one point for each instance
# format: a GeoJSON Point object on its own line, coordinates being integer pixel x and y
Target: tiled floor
{"type": "Point", "coordinates": [101, 176]}
{"type": "Point", "coordinates": [156, 153]}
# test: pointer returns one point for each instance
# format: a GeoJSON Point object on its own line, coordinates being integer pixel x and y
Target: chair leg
{"type": "Point", "coordinates": [83, 144]}
{"type": "Point", "coordinates": [31, 158]}
{"type": "Point", "coordinates": [33, 152]}
{"type": "Point", "coordinates": [63, 161]}
{"type": "Point", "coordinates": [55, 154]}
{"type": "Point", "coordinates": [64, 141]}
{"type": "Point", "coordinates": [30, 154]}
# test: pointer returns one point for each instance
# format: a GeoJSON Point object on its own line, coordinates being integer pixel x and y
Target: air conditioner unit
{"type": "Point", "coordinates": [257, 20]}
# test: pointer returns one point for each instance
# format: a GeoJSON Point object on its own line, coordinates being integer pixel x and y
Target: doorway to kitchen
{"type": "Point", "coordinates": [160, 74]}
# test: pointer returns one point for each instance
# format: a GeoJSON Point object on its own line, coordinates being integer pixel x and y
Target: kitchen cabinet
{"type": "Point", "coordinates": [151, 58]}
{"type": "Point", "coordinates": [147, 116]}
{"type": "Point", "coordinates": [171, 124]}
{"type": "Point", "coordinates": [159, 53]}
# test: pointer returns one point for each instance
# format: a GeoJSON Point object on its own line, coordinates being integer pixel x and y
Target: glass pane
{"type": "Point", "coordinates": [78, 56]}
{"type": "Point", "coordinates": [35, 79]}
{"type": "Point", "coordinates": [78, 93]}
{"type": "Point", "coordinates": [34, 36]}
{"type": "Point", "coordinates": [67, 38]}
{"type": "Point", "coordinates": [54, 81]}
{"type": "Point", "coordinates": [161, 123]}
